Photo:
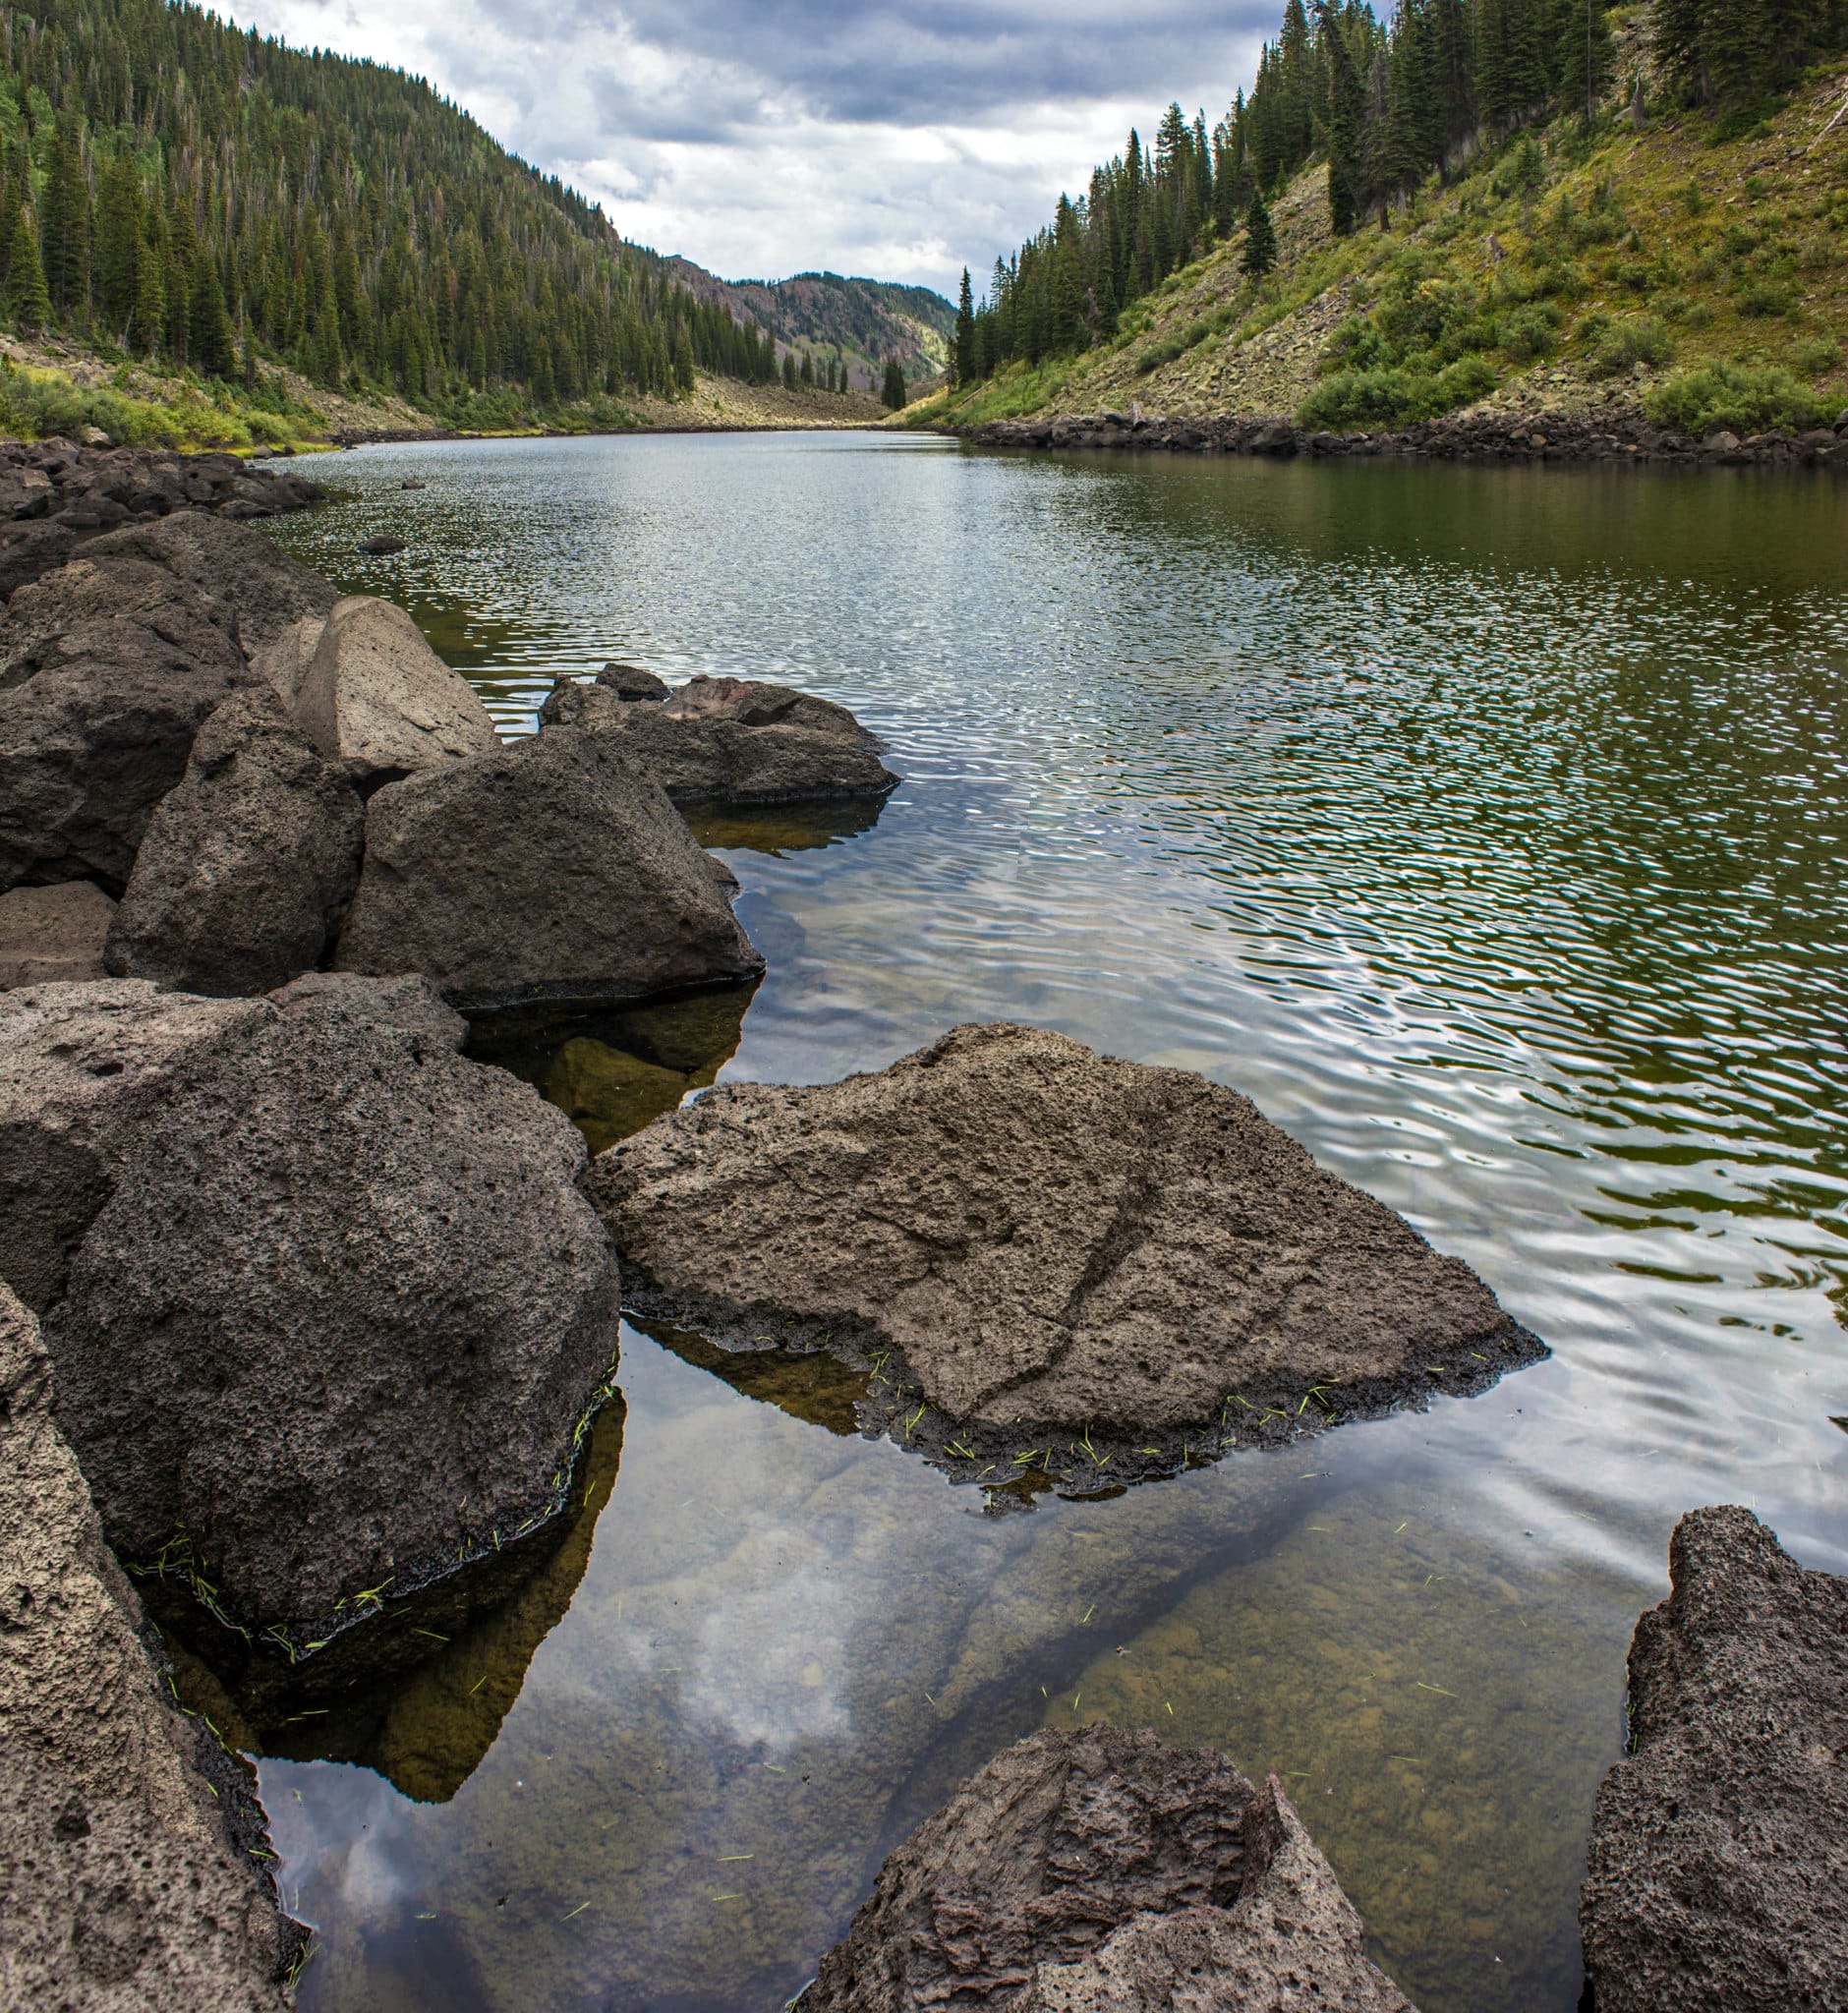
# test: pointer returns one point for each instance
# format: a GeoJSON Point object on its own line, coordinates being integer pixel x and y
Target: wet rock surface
{"type": "Point", "coordinates": [82, 1068]}
{"type": "Point", "coordinates": [550, 870]}
{"type": "Point", "coordinates": [336, 1327]}
{"type": "Point", "coordinates": [55, 498]}
{"type": "Point", "coordinates": [1097, 1869]}
{"type": "Point", "coordinates": [1104, 1269]}
{"type": "Point", "coordinates": [630, 681]}
{"type": "Point", "coordinates": [247, 865]}
{"type": "Point", "coordinates": [124, 1884]}
{"type": "Point", "coordinates": [732, 741]}
{"type": "Point", "coordinates": [1718, 1875]}
{"type": "Point", "coordinates": [376, 697]}
{"type": "Point", "coordinates": [51, 935]}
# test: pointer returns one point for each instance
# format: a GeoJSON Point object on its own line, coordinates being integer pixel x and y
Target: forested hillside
{"type": "Point", "coordinates": [1406, 213]}
{"type": "Point", "coordinates": [207, 202]}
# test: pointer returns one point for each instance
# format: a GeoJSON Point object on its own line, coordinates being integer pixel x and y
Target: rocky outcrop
{"type": "Point", "coordinates": [53, 934]}
{"type": "Point", "coordinates": [1097, 1870]}
{"type": "Point", "coordinates": [1488, 435]}
{"type": "Point", "coordinates": [246, 866]}
{"type": "Point", "coordinates": [56, 499]}
{"type": "Point", "coordinates": [1718, 1876]}
{"type": "Point", "coordinates": [1045, 1248]}
{"type": "Point", "coordinates": [285, 661]}
{"type": "Point", "coordinates": [630, 681]}
{"type": "Point", "coordinates": [107, 671]}
{"type": "Point", "coordinates": [339, 1319]}
{"type": "Point", "coordinates": [721, 740]}
{"type": "Point", "coordinates": [124, 1887]}
{"type": "Point", "coordinates": [550, 869]}
{"type": "Point", "coordinates": [82, 1068]}
{"type": "Point", "coordinates": [376, 698]}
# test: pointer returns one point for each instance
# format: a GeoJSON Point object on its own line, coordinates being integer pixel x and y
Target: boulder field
{"type": "Point", "coordinates": [1718, 1875]}
{"type": "Point", "coordinates": [128, 1838]}
{"type": "Point", "coordinates": [1111, 1268]}
{"type": "Point", "coordinates": [1099, 1872]}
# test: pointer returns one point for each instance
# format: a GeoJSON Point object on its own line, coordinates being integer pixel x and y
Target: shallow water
{"type": "Point", "coordinates": [1484, 826]}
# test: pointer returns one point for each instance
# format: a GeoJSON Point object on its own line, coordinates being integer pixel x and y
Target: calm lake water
{"type": "Point", "coordinates": [1485, 827]}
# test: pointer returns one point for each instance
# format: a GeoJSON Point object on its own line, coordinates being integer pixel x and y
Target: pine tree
{"type": "Point", "coordinates": [1260, 240]}
{"type": "Point", "coordinates": [683, 375]}
{"type": "Point", "coordinates": [895, 395]}
{"type": "Point", "coordinates": [1586, 55]}
{"type": "Point", "coordinates": [963, 367]}
{"type": "Point", "coordinates": [209, 342]}
{"type": "Point", "coordinates": [119, 230]}
{"type": "Point", "coordinates": [28, 302]}
{"type": "Point", "coordinates": [65, 221]}
{"type": "Point", "coordinates": [1347, 109]}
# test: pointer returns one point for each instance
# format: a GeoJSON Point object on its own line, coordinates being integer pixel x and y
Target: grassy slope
{"type": "Point", "coordinates": [1706, 247]}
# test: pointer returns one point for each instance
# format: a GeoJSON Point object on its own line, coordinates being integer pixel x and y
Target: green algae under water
{"type": "Point", "coordinates": [1485, 827]}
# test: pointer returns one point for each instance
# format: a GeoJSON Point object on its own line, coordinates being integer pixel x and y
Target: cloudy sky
{"type": "Point", "coordinates": [899, 139]}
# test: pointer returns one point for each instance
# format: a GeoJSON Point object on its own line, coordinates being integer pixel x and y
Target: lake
{"type": "Point", "coordinates": [1484, 826]}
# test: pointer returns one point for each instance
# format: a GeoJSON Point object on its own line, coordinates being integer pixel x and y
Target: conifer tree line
{"type": "Point", "coordinates": [1385, 102]}
{"type": "Point", "coordinates": [207, 199]}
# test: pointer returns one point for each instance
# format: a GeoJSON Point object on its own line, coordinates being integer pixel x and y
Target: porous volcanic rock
{"type": "Point", "coordinates": [552, 869]}
{"type": "Point", "coordinates": [1047, 1240]}
{"type": "Point", "coordinates": [246, 866]}
{"type": "Point", "coordinates": [82, 1067]}
{"type": "Point", "coordinates": [1098, 1870]}
{"type": "Point", "coordinates": [285, 661]}
{"type": "Point", "coordinates": [99, 715]}
{"type": "Point", "coordinates": [53, 934]}
{"type": "Point", "coordinates": [340, 1316]}
{"type": "Point", "coordinates": [378, 698]}
{"type": "Point", "coordinates": [124, 1887]}
{"type": "Point", "coordinates": [266, 591]}
{"type": "Point", "coordinates": [708, 752]}
{"type": "Point", "coordinates": [631, 681]}
{"type": "Point", "coordinates": [1719, 1878]}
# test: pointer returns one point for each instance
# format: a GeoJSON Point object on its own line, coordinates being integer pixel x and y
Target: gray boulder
{"type": "Point", "coordinates": [97, 724]}
{"type": "Point", "coordinates": [630, 681]}
{"type": "Point", "coordinates": [72, 601]}
{"type": "Point", "coordinates": [708, 752]}
{"type": "Point", "coordinates": [1045, 1240]}
{"type": "Point", "coordinates": [267, 591]}
{"type": "Point", "coordinates": [285, 660]}
{"type": "Point", "coordinates": [124, 1886]}
{"type": "Point", "coordinates": [339, 1319]}
{"type": "Point", "coordinates": [1098, 1870]}
{"type": "Point", "coordinates": [246, 866]}
{"type": "Point", "coordinates": [376, 697]}
{"type": "Point", "coordinates": [82, 1067]}
{"type": "Point", "coordinates": [756, 702]}
{"type": "Point", "coordinates": [53, 934]}
{"type": "Point", "coordinates": [550, 869]}
{"type": "Point", "coordinates": [1718, 1875]}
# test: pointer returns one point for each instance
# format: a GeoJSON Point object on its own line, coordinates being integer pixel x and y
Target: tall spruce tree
{"type": "Point", "coordinates": [964, 356]}
{"type": "Point", "coordinates": [28, 301]}
{"type": "Point", "coordinates": [893, 393]}
{"type": "Point", "coordinates": [1347, 111]}
{"type": "Point", "coordinates": [1260, 238]}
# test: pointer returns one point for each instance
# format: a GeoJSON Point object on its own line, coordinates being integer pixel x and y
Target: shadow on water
{"type": "Point", "coordinates": [781, 829]}
{"type": "Point", "coordinates": [610, 1071]}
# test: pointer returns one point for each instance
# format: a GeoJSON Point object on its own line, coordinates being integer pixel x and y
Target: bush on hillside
{"type": "Point", "coordinates": [1394, 397]}
{"type": "Point", "coordinates": [1736, 399]}
{"type": "Point", "coordinates": [1615, 348]}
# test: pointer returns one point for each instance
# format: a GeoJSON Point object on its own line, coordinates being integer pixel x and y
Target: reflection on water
{"type": "Point", "coordinates": [784, 828]}
{"type": "Point", "coordinates": [1482, 826]}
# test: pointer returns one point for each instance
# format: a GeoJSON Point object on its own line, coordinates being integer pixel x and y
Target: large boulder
{"type": "Point", "coordinates": [376, 697]}
{"type": "Point", "coordinates": [125, 1885]}
{"type": "Point", "coordinates": [1044, 1241]}
{"type": "Point", "coordinates": [81, 1069]}
{"type": "Point", "coordinates": [632, 683]}
{"type": "Point", "coordinates": [53, 934]}
{"type": "Point", "coordinates": [550, 869]}
{"type": "Point", "coordinates": [284, 661]}
{"type": "Point", "coordinates": [246, 866]}
{"type": "Point", "coordinates": [72, 601]}
{"type": "Point", "coordinates": [1097, 1870]}
{"type": "Point", "coordinates": [721, 747]}
{"type": "Point", "coordinates": [340, 1319]}
{"type": "Point", "coordinates": [1718, 1875]}
{"type": "Point", "coordinates": [267, 591]}
{"type": "Point", "coordinates": [96, 725]}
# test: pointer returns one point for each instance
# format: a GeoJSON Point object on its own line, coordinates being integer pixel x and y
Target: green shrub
{"type": "Point", "coordinates": [1617, 347]}
{"type": "Point", "coordinates": [1159, 353]}
{"type": "Point", "coordinates": [1767, 298]}
{"type": "Point", "coordinates": [1394, 397]}
{"type": "Point", "coordinates": [1818, 356]}
{"type": "Point", "coordinates": [1527, 332]}
{"type": "Point", "coordinates": [1736, 397]}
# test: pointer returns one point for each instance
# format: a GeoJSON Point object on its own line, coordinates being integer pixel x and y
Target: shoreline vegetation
{"type": "Point", "coordinates": [1657, 271]}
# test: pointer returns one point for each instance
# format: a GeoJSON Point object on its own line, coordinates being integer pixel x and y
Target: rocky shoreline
{"type": "Point", "coordinates": [1479, 436]}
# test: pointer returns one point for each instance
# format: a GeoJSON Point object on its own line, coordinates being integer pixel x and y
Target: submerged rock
{"type": "Point", "coordinates": [246, 866]}
{"type": "Point", "coordinates": [1718, 1878]}
{"type": "Point", "coordinates": [124, 1884]}
{"type": "Point", "coordinates": [1098, 1870]}
{"type": "Point", "coordinates": [733, 742]}
{"type": "Point", "coordinates": [378, 698]}
{"type": "Point", "coordinates": [49, 935]}
{"type": "Point", "coordinates": [1039, 1248]}
{"type": "Point", "coordinates": [550, 869]}
{"type": "Point", "coordinates": [82, 1068]}
{"type": "Point", "coordinates": [338, 1323]}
